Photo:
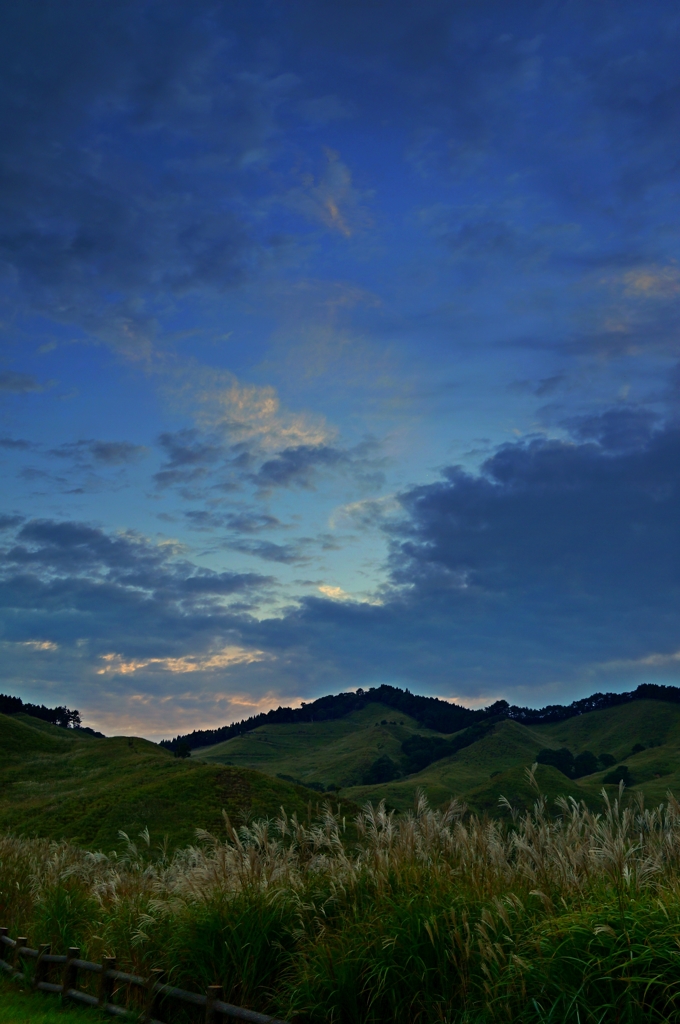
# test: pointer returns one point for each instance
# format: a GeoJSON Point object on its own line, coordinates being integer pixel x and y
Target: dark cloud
{"type": "Point", "coordinates": [18, 443]}
{"type": "Point", "coordinates": [548, 570]}
{"type": "Point", "coordinates": [77, 548]}
{"type": "Point", "coordinates": [8, 522]}
{"type": "Point", "coordinates": [298, 466]}
{"type": "Point", "coordinates": [286, 554]}
{"type": "Point", "coordinates": [193, 458]}
{"type": "Point", "coordinates": [251, 522]}
{"type": "Point", "coordinates": [105, 205]}
{"type": "Point", "coordinates": [615, 429]}
{"type": "Point", "coordinates": [18, 383]}
{"type": "Point", "coordinates": [188, 457]}
{"type": "Point", "coordinates": [68, 580]}
{"type": "Point", "coordinates": [554, 563]}
{"type": "Point", "coordinates": [103, 453]}
{"type": "Point", "coordinates": [247, 522]}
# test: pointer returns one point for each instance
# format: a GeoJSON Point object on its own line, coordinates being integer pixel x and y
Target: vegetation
{"type": "Point", "coordinates": [584, 763]}
{"type": "Point", "coordinates": [373, 754]}
{"type": "Point", "coordinates": [429, 712]}
{"type": "Point", "coordinates": [430, 916]}
{"type": "Point", "coordinates": [18, 1005]}
{"type": "Point", "coordinates": [61, 715]}
{"type": "Point", "coordinates": [61, 783]}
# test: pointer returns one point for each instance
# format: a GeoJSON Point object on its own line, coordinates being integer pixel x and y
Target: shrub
{"type": "Point", "coordinates": [618, 775]}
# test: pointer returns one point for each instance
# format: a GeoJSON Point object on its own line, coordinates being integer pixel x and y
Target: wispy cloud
{"type": "Point", "coordinates": [18, 383]}
{"type": "Point", "coordinates": [331, 199]}
{"type": "Point", "coordinates": [117, 664]}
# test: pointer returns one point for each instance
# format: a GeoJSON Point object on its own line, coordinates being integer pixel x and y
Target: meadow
{"type": "Point", "coordinates": [431, 915]}
{"type": "Point", "coordinates": [59, 783]}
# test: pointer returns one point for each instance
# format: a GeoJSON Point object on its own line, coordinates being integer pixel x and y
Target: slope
{"type": "Point", "coordinates": [337, 752]}
{"type": "Point", "coordinates": [58, 784]}
{"type": "Point", "coordinates": [340, 752]}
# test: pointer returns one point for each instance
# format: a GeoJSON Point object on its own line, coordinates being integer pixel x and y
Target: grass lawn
{"type": "Point", "coordinates": [21, 1006]}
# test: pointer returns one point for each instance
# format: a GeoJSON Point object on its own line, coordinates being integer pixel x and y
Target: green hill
{"type": "Point", "coordinates": [63, 783]}
{"type": "Point", "coordinates": [341, 753]}
{"type": "Point", "coordinates": [59, 783]}
{"type": "Point", "coordinates": [331, 753]}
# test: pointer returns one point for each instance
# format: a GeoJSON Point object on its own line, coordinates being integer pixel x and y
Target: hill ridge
{"type": "Point", "coordinates": [430, 712]}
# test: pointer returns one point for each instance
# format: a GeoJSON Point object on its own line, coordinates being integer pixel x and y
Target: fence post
{"type": "Point", "coordinates": [41, 966]}
{"type": "Point", "coordinates": [105, 983]}
{"type": "Point", "coordinates": [152, 997]}
{"type": "Point", "coordinates": [212, 1016]}
{"type": "Point", "coordinates": [23, 941]}
{"type": "Point", "coordinates": [70, 972]}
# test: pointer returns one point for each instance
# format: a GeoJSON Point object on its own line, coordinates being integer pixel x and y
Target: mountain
{"type": "Point", "coordinates": [63, 783]}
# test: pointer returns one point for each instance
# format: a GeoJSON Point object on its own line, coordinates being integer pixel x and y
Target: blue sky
{"type": "Point", "coordinates": [338, 347]}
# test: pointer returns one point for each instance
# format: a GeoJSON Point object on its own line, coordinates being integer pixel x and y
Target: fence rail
{"type": "Point", "coordinates": [153, 989]}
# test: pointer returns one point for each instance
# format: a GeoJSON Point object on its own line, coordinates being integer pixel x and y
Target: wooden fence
{"type": "Point", "coordinates": [152, 993]}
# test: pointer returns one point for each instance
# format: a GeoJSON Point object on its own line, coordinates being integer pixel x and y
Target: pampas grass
{"type": "Point", "coordinates": [431, 916]}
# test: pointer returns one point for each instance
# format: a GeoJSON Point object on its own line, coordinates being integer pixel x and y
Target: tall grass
{"type": "Point", "coordinates": [430, 916]}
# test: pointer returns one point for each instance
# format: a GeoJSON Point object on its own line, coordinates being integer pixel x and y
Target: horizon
{"type": "Point", "coordinates": [338, 347]}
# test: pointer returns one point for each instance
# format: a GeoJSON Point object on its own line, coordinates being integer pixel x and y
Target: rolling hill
{"type": "Point", "coordinates": [342, 752]}
{"type": "Point", "coordinates": [66, 783]}
{"type": "Point", "coordinates": [60, 783]}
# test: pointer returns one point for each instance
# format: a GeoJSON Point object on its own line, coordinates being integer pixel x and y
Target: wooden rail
{"type": "Point", "coordinates": [152, 989]}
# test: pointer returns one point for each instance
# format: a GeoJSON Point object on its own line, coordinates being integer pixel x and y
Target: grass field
{"type": "Point", "coordinates": [21, 1006]}
{"type": "Point", "coordinates": [340, 751]}
{"type": "Point", "coordinates": [428, 917]}
{"type": "Point", "coordinates": [57, 783]}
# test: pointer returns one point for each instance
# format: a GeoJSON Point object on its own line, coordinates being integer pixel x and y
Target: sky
{"type": "Point", "coordinates": [338, 347]}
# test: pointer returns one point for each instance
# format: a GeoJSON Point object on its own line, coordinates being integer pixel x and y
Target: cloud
{"type": "Point", "coordinates": [653, 282]}
{"type": "Point", "coordinates": [338, 594]}
{"type": "Point", "coordinates": [18, 383]}
{"type": "Point", "coordinates": [369, 513]}
{"type": "Point", "coordinates": [102, 453]}
{"type": "Point", "coordinates": [37, 645]}
{"type": "Point", "coordinates": [335, 593]}
{"type": "Point", "coordinates": [252, 415]}
{"type": "Point", "coordinates": [218, 660]}
{"type": "Point", "coordinates": [286, 554]}
{"type": "Point", "coordinates": [16, 444]}
{"type": "Point", "coordinates": [331, 200]}
{"type": "Point", "coordinates": [248, 438]}
{"type": "Point", "coordinates": [188, 457]}
{"type": "Point", "coordinates": [615, 429]}
{"type": "Point", "coordinates": [8, 522]}
{"type": "Point", "coordinates": [539, 574]}
{"type": "Point", "coordinates": [525, 579]}
{"type": "Point", "coordinates": [104, 216]}
{"type": "Point", "coordinates": [62, 551]}
{"type": "Point", "coordinates": [299, 465]}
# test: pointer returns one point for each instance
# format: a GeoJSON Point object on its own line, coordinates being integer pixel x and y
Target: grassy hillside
{"type": "Point", "coordinates": [341, 751]}
{"type": "Point", "coordinates": [335, 752]}
{"type": "Point", "coordinates": [61, 783]}
{"type": "Point", "coordinates": [58, 783]}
